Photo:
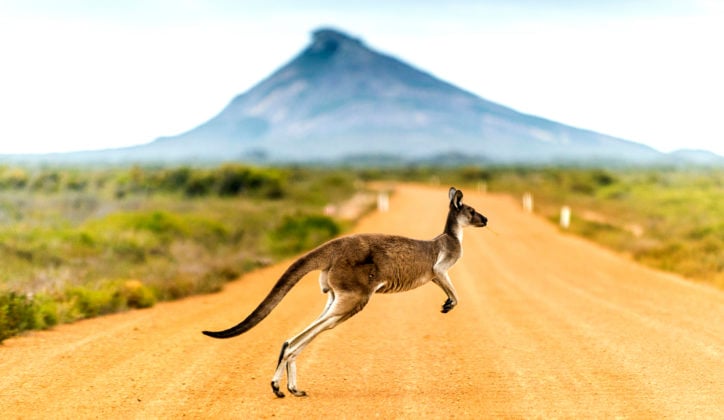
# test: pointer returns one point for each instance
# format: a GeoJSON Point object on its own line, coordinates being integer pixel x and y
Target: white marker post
{"type": "Point", "coordinates": [565, 217]}
{"type": "Point", "coordinates": [483, 187]}
{"type": "Point", "coordinates": [383, 202]}
{"type": "Point", "coordinates": [528, 202]}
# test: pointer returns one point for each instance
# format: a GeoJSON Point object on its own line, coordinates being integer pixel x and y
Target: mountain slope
{"type": "Point", "coordinates": [339, 98]}
{"type": "Point", "coordinates": [695, 157]}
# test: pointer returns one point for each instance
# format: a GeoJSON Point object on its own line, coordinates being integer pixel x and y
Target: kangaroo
{"type": "Point", "coordinates": [356, 266]}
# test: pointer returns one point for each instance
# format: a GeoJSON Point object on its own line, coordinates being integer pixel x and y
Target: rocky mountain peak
{"type": "Point", "coordinates": [332, 47]}
{"type": "Point", "coordinates": [326, 40]}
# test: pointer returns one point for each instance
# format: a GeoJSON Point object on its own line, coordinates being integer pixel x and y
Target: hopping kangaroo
{"type": "Point", "coordinates": [356, 266]}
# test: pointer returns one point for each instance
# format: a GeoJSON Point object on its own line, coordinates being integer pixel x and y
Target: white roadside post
{"type": "Point", "coordinates": [528, 202]}
{"type": "Point", "coordinates": [482, 187]}
{"type": "Point", "coordinates": [383, 202]}
{"type": "Point", "coordinates": [565, 217]}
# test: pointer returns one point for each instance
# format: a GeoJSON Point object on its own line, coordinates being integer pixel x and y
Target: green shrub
{"type": "Point", "coordinates": [233, 180]}
{"type": "Point", "coordinates": [298, 233]}
{"type": "Point", "coordinates": [136, 295]}
{"type": "Point", "coordinates": [199, 184]}
{"type": "Point", "coordinates": [471, 174]}
{"type": "Point", "coordinates": [47, 181]}
{"type": "Point", "coordinates": [46, 311]}
{"type": "Point", "coordinates": [175, 179]}
{"type": "Point", "coordinates": [90, 303]}
{"type": "Point", "coordinates": [17, 314]}
{"type": "Point", "coordinates": [13, 178]}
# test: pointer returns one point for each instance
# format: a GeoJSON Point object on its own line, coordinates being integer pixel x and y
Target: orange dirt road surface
{"type": "Point", "coordinates": [548, 326]}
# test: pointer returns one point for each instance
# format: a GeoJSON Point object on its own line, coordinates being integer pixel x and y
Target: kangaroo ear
{"type": "Point", "coordinates": [458, 199]}
{"type": "Point", "coordinates": [451, 193]}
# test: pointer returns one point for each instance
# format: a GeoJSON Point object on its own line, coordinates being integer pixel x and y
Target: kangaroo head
{"type": "Point", "coordinates": [465, 215]}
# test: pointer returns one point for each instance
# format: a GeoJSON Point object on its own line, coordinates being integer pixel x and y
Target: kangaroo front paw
{"type": "Point", "coordinates": [277, 391]}
{"type": "Point", "coordinates": [448, 305]}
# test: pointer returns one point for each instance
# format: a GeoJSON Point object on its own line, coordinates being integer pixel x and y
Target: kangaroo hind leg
{"type": "Point", "coordinates": [340, 309]}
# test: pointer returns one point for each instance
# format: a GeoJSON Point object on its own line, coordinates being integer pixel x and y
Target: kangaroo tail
{"type": "Point", "coordinates": [314, 260]}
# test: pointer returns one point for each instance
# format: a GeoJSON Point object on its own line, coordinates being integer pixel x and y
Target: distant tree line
{"type": "Point", "coordinates": [224, 181]}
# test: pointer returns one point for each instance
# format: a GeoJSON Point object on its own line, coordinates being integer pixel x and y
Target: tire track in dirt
{"type": "Point", "coordinates": [548, 325]}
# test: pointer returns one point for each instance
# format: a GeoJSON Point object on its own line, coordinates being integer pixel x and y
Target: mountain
{"type": "Point", "coordinates": [340, 100]}
{"type": "Point", "coordinates": [695, 157]}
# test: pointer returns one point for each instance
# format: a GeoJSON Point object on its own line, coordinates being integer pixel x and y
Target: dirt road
{"type": "Point", "coordinates": [548, 326]}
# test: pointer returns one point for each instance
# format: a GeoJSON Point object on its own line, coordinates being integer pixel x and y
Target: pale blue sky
{"type": "Point", "coordinates": [79, 75]}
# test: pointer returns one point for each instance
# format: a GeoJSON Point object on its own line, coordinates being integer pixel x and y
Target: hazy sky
{"type": "Point", "coordinates": [90, 74]}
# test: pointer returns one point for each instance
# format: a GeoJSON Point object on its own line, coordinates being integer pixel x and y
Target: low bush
{"type": "Point", "coordinates": [302, 232]}
{"type": "Point", "coordinates": [17, 314]}
{"type": "Point", "coordinates": [91, 302]}
{"type": "Point", "coordinates": [135, 294]}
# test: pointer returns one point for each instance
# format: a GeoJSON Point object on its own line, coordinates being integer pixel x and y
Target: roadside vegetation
{"type": "Point", "coordinates": [668, 219]}
{"type": "Point", "coordinates": [81, 243]}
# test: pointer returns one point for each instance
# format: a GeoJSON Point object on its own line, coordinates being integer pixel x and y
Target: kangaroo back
{"type": "Point", "coordinates": [316, 259]}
